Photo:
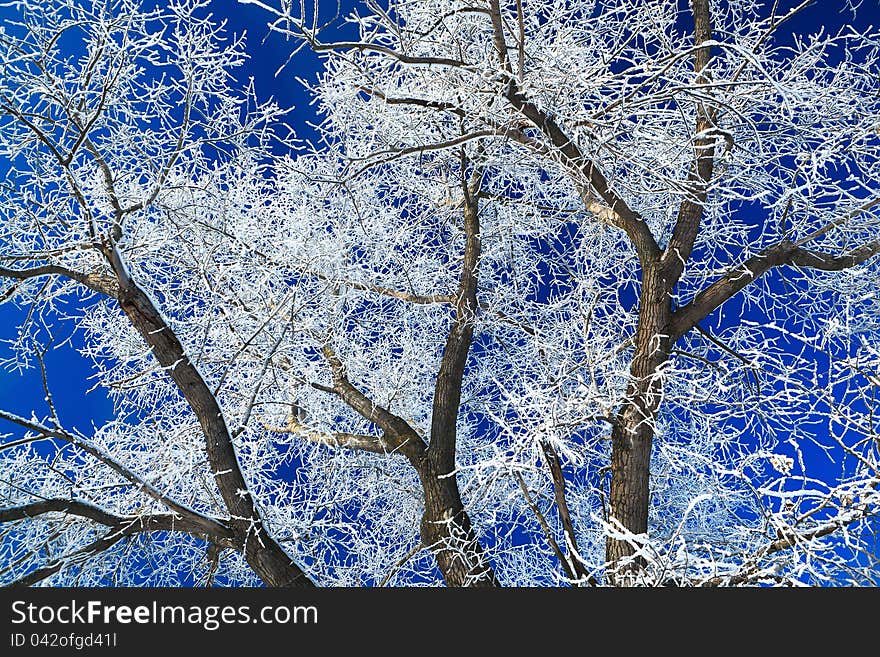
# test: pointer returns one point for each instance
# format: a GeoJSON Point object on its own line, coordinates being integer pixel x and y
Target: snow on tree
{"type": "Point", "coordinates": [577, 293]}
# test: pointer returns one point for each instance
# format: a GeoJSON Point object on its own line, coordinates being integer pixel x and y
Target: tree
{"type": "Point", "coordinates": [565, 293]}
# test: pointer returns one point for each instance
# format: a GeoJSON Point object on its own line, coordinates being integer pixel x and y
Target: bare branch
{"type": "Point", "coordinates": [447, 390]}
{"type": "Point", "coordinates": [618, 213]}
{"type": "Point", "coordinates": [826, 262]}
{"type": "Point", "coordinates": [402, 58]}
{"type": "Point", "coordinates": [498, 35]}
{"type": "Point", "coordinates": [402, 436]}
{"type": "Point", "coordinates": [788, 540]}
{"type": "Point", "coordinates": [687, 226]}
{"type": "Point", "coordinates": [556, 475]}
{"type": "Point", "coordinates": [129, 524]}
{"type": "Point", "coordinates": [211, 525]}
{"type": "Point", "coordinates": [361, 442]}
{"type": "Point", "coordinates": [98, 282]}
{"type": "Point", "coordinates": [560, 556]}
{"type": "Point", "coordinates": [264, 554]}
{"type": "Point", "coordinates": [73, 507]}
{"type": "Point", "coordinates": [782, 253]}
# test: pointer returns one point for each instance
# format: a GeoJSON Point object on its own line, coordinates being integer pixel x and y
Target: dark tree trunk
{"type": "Point", "coordinates": [633, 433]}
{"type": "Point", "coordinates": [446, 529]}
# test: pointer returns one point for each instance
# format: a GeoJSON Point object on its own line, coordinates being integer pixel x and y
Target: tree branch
{"type": "Point", "coordinates": [101, 545]}
{"type": "Point", "coordinates": [211, 525]}
{"type": "Point", "coordinates": [789, 540]}
{"type": "Point", "coordinates": [498, 35]}
{"type": "Point", "coordinates": [782, 253]}
{"type": "Point", "coordinates": [404, 438]}
{"type": "Point", "coordinates": [566, 566]}
{"type": "Point", "coordinates": [558, 479]}
{"type": "Point", "coordinates": [447, 389]}
{"type": "Point", "coordinates": [418, 102]}
{"type": "Point", "coordinates": [263, 553]}
{"type": "Point", "coordinates": [101, 283]}
{"type": "Point", "coordinates": [409, 297]}
{"type": "Point", "coordinates": [690, 213]}
{"type": "Point", "coordinates": [360, 442]}
{"type": "Point", "coordinates": [403, 59]}
{"type": "Point", "coordinates": [617, 213]}
{"type": "Point", "coordinates": [118, 531]}
{"type": "Point", "coordinates": [147, 523]}
{"type": "Point", "coordinates": [74, 507]}
{"type": "Point", "coordinates": [827, 262]}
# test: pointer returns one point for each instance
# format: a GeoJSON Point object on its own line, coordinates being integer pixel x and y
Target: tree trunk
{"type": "Point", "coordinates": [633, 432]}
{"type": "Point", "coordinates": [272, 564]}
{"type": "Point", "coordinates": [446, 530]}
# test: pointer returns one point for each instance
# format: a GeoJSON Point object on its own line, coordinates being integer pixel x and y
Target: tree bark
{"type": "Point", "coordinates": [633, 433]}
{"type": "Point", "coordinates": [447, 531]}
{"type": "Point", "coordinates": [445, 528]}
